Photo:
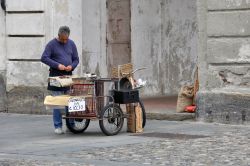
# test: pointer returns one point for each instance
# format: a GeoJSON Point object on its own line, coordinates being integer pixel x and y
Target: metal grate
{"type": "Point", "coordinates": [82, 89]}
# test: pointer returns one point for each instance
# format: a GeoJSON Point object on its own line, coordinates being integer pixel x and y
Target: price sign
{"type": "Point", "coordinates": [76, 104]}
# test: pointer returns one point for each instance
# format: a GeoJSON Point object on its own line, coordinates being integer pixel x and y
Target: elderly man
{"type": "Point", "coordinates": [61, 56]}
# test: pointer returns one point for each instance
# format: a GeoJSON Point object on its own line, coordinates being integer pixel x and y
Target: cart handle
{"type": "Point", "coordinates": [131, 73]}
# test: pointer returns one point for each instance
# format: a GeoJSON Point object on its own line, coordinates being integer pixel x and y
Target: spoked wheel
{"type": "Point", "coordinates": [112, 119]}
{"type": "Point", "coordinates": [77, 126]}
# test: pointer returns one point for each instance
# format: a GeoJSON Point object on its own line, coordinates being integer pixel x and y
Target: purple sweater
{"type": "Point", "coordinates": [57, 53]}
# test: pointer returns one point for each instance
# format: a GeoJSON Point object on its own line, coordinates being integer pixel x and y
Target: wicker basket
{"type": "Point", "coordinates": [86, 91]}
{"type": "Point", "coordinates": [124, 69]}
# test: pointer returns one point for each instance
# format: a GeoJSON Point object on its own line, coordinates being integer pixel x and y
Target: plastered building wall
{"type": "Point", "coordinates": [164, 39]}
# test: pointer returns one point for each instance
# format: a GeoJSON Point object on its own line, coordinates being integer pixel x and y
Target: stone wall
{"type": "Point", "coordinates": [224, 61]}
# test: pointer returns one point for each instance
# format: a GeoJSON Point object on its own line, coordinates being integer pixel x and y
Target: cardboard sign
{"type": "Point", "coordinates": [76, 104]}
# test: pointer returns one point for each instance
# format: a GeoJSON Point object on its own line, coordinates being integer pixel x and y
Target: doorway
{"type": "Point", "coordinates": [118, 32]}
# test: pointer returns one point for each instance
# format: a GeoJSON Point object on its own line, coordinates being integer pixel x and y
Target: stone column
{"type": "Point", "coordinates": [224, 61]}
{"type": "Point", "coordinates": [3, 61]}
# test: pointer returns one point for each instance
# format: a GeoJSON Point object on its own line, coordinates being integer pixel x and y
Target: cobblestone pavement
{"type": "Point", "coordinates": [231, 148]}
{"type": "Point", "coordinates": [162, 143]}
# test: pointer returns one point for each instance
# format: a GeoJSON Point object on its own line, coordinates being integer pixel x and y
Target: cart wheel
{"type": "Point", "coordinates": [112, 119]}
{"type": "Point", "coordinates": [77, 126]}
{"type": "Point", "coordinates": [143, 113]}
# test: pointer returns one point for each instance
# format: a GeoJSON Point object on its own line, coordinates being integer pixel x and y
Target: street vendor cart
{"type": "Point", "coordinates": [92, 98]}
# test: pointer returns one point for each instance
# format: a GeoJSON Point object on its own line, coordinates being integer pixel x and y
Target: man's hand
{"type": "Point", "coordinates": [61, 67]}
{"type": "Point", "coordinates": [68, 68]}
